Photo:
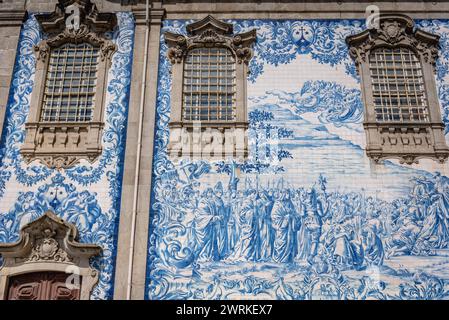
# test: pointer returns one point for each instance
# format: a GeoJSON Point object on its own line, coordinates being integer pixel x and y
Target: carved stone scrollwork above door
{"type": "Point", "coordinates": [49, 244]}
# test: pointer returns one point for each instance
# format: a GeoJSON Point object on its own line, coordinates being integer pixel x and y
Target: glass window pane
{"type": "Point", "coordinates": [214, 98]}
{"type": "Point", "coordinates": [398, 85]}
{"type": "Point", "coordinates": [70, 83]}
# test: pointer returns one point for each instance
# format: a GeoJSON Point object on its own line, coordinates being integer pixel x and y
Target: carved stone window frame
{"type": "Point", "coordinates": [62, 144]}
{"type": "Point", "coordinates": [406, 141]}
{"type": "Point", "coordinates": [49, 244]}
{"type": "Point", "coordinates": [209, 32]}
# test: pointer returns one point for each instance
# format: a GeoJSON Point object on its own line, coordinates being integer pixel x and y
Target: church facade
{"type": "Point", "coordinates": [224, 150]}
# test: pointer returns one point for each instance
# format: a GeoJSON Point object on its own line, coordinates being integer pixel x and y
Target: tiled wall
{"type": "Point", "coordinates": [87, 195]}
{"type": "Point", "coordinates": [316, 219]}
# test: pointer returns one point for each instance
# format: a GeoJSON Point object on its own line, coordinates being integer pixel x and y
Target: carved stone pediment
{"type": "Point", "coordinates": [210, 32]}
{"type": "Point", "coordinates": [48, 239]}
{"type": "Point", "coordinates": [55, 22]}
{"type": "Point", "coordinates": [49, 244]}
{"type": "Point", "coordinates": [395, 30]}
{"type": "Point", "coordinates": [91, 26]}
{"type": "Point", "coordinates": [209, 23]}
{"type": "Point", "coordinates": [83, 34]}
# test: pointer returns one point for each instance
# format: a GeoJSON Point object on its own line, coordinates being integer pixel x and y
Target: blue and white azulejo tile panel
{"type": "Point", "coordinates": [313, 218]}
{"type": "Point", "coordinates": [87, 195]}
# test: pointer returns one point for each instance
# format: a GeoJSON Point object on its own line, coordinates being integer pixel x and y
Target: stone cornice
{"type": "Point", "coordinates": [155, 16]}
{"type": "Point", "coordinates": [12, 17]}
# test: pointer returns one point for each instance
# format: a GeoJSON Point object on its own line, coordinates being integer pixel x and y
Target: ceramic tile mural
{"type": "Point", "coordinates": [307, 216]}
{"type": "Point", "coordinates": [86, 195]}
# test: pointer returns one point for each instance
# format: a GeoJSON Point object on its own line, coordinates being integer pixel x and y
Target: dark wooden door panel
{"type": "Point", "coordinates": [26, 287]}
{"type": "Point", "coordinates": [58, 289]}
{"type": "Point", "coordinates": [24, 291]}
{"type": "Point", "coordinates": [41, 286]}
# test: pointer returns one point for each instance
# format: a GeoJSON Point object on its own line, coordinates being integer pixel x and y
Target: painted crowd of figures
{"type": "Point", "coordinates": [294, 225]}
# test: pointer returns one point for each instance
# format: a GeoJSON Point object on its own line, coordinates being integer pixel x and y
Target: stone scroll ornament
{"type": "Point", "coordinates": [49, 244]}
{"type": "Point", "coordinates": [210, 32]}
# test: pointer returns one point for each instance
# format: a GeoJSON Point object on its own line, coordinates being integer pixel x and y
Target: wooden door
{"type": "Point", "coordinates": [41, 286]}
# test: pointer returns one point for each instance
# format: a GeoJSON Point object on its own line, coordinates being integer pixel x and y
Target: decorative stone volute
{"type": "Point", "coordinates": [210, 32]}
{"type": "Point", "coordinates": [394, 30]}
{"type": "Point", "coordinates": [55, 22]}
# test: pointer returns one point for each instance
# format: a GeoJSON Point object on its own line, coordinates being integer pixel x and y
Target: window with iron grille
{"type": "Point", "coordinates": [208, 96]}
{"type": "Point", "coordinates": [397, 64]}
{"type": "Point", "coordinates": [70, 83]}
{"type": "Point", "coordinates": [399, 94]}
{"type": "Point", "coordinates": [66, 116]}
{"type": "Point", "coordinates": [209, 85]}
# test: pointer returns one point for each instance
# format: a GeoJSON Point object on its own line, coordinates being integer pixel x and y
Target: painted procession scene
{"type": "Point", "coordinates": [307, 216]}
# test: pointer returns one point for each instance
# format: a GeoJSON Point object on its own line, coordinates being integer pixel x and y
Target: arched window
{"type": "Point", "coordinates": [398, 85]}
{"type": "Point", "coordinates": [396, 64]}
{"type": "Point", "coordinates": [70, 85]}
{"type": "Point", "coordinates": [209, 85]}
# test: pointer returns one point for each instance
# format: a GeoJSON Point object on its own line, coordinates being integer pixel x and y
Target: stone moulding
{"type": "Point", "coordinates": [49, 244]}
{"type": "Point", "coordinates": [54, 22]}
{"type": "Point", "coordinates": [406, 141]}
{"type": "Point", "coordinates": [209, 32]}
{"type": "Point", "coordinates": [63, 144]}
